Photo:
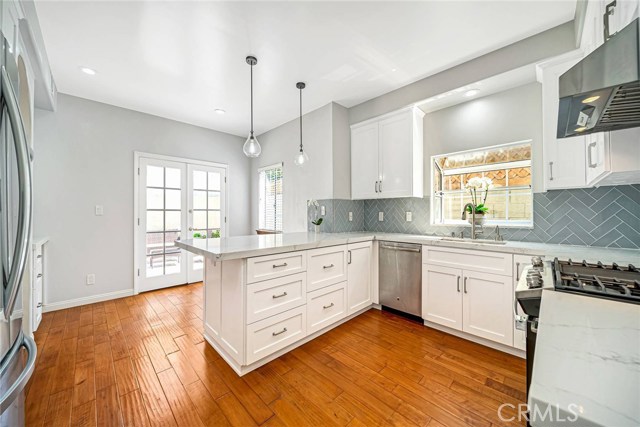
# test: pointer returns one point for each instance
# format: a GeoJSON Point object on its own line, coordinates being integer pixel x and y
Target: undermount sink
{"type": "Point", "coordinates": [468, 240]}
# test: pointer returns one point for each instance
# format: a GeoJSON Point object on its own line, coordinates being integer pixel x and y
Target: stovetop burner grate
{"type": "Point", "coordinates": [621, 283]}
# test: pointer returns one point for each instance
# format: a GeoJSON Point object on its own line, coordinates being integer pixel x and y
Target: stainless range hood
{"type": "Point", "coordinates": [602, 91]}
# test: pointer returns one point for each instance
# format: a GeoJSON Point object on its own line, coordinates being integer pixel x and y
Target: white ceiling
{"type": "Point", "coordinates": [182, 60]}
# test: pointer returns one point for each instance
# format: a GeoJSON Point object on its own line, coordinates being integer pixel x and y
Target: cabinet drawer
{"type": "Point", "coordinates": [476, 260]}
{"type": "Point", "coordinates": [326, 266]}
{"type": "Point", "coordinates": [274, 296]}
{"type": "Point", "coordinates": [272, 266]}
{"type": "Point", "coordinates": [325, 306]}
{"type": "Point", "coordinates": [274, 333]}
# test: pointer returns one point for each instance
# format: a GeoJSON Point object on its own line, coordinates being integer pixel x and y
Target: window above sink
{"type": "Point", "coordinates": [509, 201]}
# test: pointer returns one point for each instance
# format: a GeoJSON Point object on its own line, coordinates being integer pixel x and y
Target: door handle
{"type": "Point", "coordinates": [39, 276]}
{"type": "Point", "coordinates": [23, 234]}
{"type": "Point", "coordinates": [590, 147]}
{"type": "Point", "coordinates": [550, 171]}
{"type": "Point", "coordinates": [458, 283]}
{"type": "Point", "coordinates": [18, 386]}
{"type": "Point", "coordinates": [190, 228]}
{"type": "Point", "coordinates": [465, 285]}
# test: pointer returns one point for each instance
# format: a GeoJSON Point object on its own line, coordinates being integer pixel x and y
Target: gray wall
{"type": "Point", "coordinates": [533, 49]}
{"type": "Point", "coordinates": [509, 116]}
{"type": "Point", "coordinates": [341, 146]}
{"type": "Point", "coordinates": [83, 157]}
{"type": "Point", "coordinates": [313, 181]}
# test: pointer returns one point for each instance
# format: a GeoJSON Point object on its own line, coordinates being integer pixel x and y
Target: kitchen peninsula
{"type": "Point", "coordinates": [267, 294]}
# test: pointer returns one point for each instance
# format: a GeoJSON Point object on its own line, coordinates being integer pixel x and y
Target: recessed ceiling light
{"type": "Point", "coordinates": [88, 70]}
{"type": "Point", "coordinates": [590, 99]}
{"type": "Point", "coordinates": [220, 111]}
{"type": "Point", "coordinates": [394, 69]}
{"type": "Point", "coordinates": [472, 92]}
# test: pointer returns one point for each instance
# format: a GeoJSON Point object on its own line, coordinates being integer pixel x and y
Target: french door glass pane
{"type": "Point", "coordinates": [172, 263]}
{"type": "Point", "coordinates": [155, 220]}
{"type": "Point", "coordinates": [214, 200]}
{"type": "Point", "coordinates": [199, 199]}
{"type": "Point", "coordinates": [154, 198]}
{"type": "Point", "coordinates": [198, 262]}
{"type": "Point", "coordinates": [214, 219]}
{"type": "Point", "coordinates": [155, 265]}
{"type": "Point", "coordinates": [199, 180]}
{"type": "Point", "coordinates": [172, 221]}
{"type": "Point", "coordinates": [172, 199]}
{"type": "Point", "coordinates": [172, 176]}
{"type": "Point", "coordinates": [154, 243]}
{"type": "Point", "coordinates": [155, 176]}
{"type": "Point", "coordinates": [200, 220]}
{"type": "Point", "coordinates": [169, 241]}
{"type": "Point", "coordinates": [214, 181]}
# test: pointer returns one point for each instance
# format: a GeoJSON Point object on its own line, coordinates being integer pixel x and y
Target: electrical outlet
{"type": "Point", "coordinates": [380, 216]}
{"type": "Point", "coordinates": [91, 279]}
{"type": "Point", "coordinates": [322, 210]}
{"type": "Point", "coordinates": [350, 216]}
{"type": "Point", "coordinates": [408, 216]}
{"type": "Point", "coordinates": [99, 210]}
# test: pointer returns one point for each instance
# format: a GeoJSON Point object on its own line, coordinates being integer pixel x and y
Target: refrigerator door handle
{"type": "Point", "coordinates": [16, 388]}
{"type": "Point", "coordinates": [24, 199]}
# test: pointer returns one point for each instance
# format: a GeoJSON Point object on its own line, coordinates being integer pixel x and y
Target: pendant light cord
{"type": "Point", "coordinates": [301, 120]}
{"type": "Point", "coordinates": [252, 99]}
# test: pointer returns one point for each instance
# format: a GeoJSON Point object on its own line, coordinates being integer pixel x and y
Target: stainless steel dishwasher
{"type": "Point", "coordinates": [400, 277]}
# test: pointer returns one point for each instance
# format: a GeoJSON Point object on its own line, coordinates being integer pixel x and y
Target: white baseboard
{"type": "Point", "coordinates": [86, 300]}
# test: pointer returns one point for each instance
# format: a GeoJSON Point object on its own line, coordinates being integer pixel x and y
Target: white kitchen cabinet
{"type": "Point", "coordinates": [486, 306]}
{"type": "Point", "coordinates": [364, 161]}
{"type": "Point", "coordinates": [326, 266]}
{"type": "Point", "coordinates": [442, 295]}
{"type": "Point", "coordinates": [37, 279]}
{"type": "Point", "coordinates": [359, 290]}
{"type": "Point", "coordinates": [597, 154]}
{"type": "Point", "coordinates": [564, 158]}
{"type": "Point", "coordinates": [387, 156]}
{"type": "Point", "coordinates": [611, 158]}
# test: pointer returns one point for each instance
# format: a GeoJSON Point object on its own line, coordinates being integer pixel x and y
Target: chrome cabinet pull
{"type": "Point", "coordinates": [375, 186]}
{"type": "Point", "coordinates": [348, 257]}
{"type": "Point", "coordinates": [284, 294]}
{"type": "Point", "coordinates": [39, 305]}
{"type": "Point", "coordinates": [23, 233]}
{"type": "Point", "coordinates": [39, 275]}
{"type": "Point", "coordinates": [458, 283]}
{"type": "Point", "coordinates": [465, 285]}
{"type": "Point", "coordinates": [279, 265]}
{"type": "Point", "coordinates": [328, 266]}
{"type": "Point", "coordinates": [39, 256]}
{"type": "Point", "coordinates": [275, 334]}
{"type": "Point", "coordinates": [380, 187]}
{"type": "Point", "coordinates": [328, 306]}
{"type": "Point", "coordinates": [517, 271]}
{"type": "Point", "coordinates": [550, 171]}
{"type": "Point", "coordinates": [589, 156]}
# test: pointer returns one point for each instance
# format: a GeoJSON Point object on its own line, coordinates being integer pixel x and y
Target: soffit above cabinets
{"type": "Point", "coordinates": [183, 60]}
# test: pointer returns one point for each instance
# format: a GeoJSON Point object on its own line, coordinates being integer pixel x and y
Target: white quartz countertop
{"type": "Point", "coordinates": [587, 362]}
{"type": "Point", "coordinates": [257, 245]}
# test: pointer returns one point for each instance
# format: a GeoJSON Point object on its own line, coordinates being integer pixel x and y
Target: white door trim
{"type": "Point", "coordinates": [137, 155]}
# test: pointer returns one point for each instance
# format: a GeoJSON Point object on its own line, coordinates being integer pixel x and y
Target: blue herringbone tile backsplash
{"type": "Point", "coordinates": [604, 216]}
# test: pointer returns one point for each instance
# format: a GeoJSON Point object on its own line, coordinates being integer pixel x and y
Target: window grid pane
{"type": "Point", "coordinates": [271, 199]}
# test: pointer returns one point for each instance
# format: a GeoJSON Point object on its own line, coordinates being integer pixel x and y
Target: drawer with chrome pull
{"type": "Point", "coordinates": [272, 266]}
{"type": "Point", "coordinates": [275, 333]}
{"type": "Point", "coordinates": [326, 266]}
{"type": "Point", "coordinates": [326, 306]}
{"type": "Point", "coordinates": [265, 299]}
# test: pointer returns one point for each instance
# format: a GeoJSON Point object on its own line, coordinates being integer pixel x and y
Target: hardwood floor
{"type": "Point", "coordinates": [142, 361]}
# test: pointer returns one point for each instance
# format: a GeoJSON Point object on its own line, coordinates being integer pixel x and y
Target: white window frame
{"type": "Point", "coordinates": [482, 168]}
{"type": "Point", "coordinates": [261, 170]}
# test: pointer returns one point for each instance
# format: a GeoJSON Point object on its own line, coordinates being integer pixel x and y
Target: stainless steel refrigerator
{"type": "Point", "coordinates": [17, 351]}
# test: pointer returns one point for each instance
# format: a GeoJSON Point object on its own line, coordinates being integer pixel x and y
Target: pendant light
{"type": "Point", "coordinates": [301, 157]}
{"type": "Point", "coordinates": [251, 147]}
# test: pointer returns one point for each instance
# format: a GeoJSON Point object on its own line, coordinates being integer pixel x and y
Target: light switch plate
{"type": "Point", "coordinates": [409, 216]}
{"type": "Point", "coordinates": [91, 279]}
{"type": "Point", "coordinates": [350, 216]}
{"type": "Point", "coordinates": [322, 210]}
{"type": "Point", "coordinates": [99, 210]}
{"type": "Point", "coordinates": [380, 216]}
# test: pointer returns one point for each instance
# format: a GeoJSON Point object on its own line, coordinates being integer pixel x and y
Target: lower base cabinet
{"type": "Point", "coordinates": [326, 306]}
{"type": "Point", "coordinates": [469, 301]}
{"type": "Point", "coordinates": [359, 290]}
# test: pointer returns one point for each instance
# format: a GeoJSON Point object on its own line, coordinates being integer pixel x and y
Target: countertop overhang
{"type": "Point", "coordinates": [239, 247]}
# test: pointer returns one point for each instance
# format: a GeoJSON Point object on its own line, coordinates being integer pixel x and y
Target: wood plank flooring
{"type": "Point", "coordinates": [142, 361]}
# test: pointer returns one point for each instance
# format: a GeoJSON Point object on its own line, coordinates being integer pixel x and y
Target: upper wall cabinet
{"type": "Point", "coordinates": [386, 156]}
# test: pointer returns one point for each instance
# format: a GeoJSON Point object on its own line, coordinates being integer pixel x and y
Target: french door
{"type": "Point", "coordinates": [176, 200]}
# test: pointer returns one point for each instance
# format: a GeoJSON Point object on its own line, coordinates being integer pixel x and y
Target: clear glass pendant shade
{"type": "Point", "coordinates": [252, 147]}
{"type": "Point", "coordinates": [301, 158]}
